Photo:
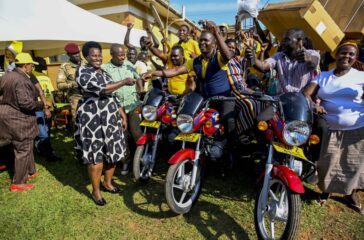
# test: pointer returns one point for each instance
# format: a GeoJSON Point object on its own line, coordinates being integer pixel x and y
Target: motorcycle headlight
{"type": "Point", "coordinates": [296, 133]}
{"type": "Point", "coordinates": [185, 123]}
{"type": "Point", "coordinates": [149, 113]}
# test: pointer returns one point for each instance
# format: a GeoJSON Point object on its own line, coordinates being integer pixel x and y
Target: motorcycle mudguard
{"type": "Point", "coordinates": [289, 178]}
{"type": "Point", "coordinates": [145, 138]}
{"type": "Point", "coordinates": [181, 155]}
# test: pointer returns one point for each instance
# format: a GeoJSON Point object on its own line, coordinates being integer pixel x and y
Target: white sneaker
{"type": "Point", "coordinates": [125, 169]}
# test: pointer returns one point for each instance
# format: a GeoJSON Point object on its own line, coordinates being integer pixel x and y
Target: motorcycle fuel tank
{"type": "Point", "coordinates": [154, 97]}
{"type": "Point", "coordinates": [296, 107]}
{"type": "Point", "coordinates": [191, 104]}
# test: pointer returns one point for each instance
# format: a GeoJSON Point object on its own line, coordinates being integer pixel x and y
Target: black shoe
{"type": "Point", "coordinates": [114, 190]}
{"type": "Point", "coordinates": [100, 202]}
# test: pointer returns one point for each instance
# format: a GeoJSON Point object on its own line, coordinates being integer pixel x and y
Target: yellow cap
{"type": "Point", "coordinates": [24, 58]}
{"type": "Point", "coordinates": [15, 47]}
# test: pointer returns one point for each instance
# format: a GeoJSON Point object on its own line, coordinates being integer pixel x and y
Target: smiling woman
{"type": "Point", "coordinates": [100, 120]}
{"type": "Point", "coordinates": [341, 169]}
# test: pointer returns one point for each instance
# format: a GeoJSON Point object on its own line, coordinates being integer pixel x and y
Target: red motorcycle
{"type": "Point", "coordinates": [200, 127]}
{"type": "Point", "coordinates": [287, 125]}
{"type": "Point", "coordinates": [159, 113]}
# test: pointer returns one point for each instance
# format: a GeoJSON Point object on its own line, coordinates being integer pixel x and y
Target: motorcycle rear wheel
{"type": "Point", "coordinates": [180, 198]}
{"type": "Point", "coordinates": [142, 172]}
{"type": "Point", "coordinates": [280, 218]}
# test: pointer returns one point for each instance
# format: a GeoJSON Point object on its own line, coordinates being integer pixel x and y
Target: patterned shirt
{"type": "Point", "coordinates": [292, 75]}
{"type": "Point", "coordinates": [127, 94]}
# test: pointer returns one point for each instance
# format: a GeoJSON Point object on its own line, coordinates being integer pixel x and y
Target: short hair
{"type": "Point", "coordinates": [186, 26]}
{"type": "Point", "coordinates": [297, 33]}
{"type": "Point", "coordinates": [230, 40]}
{"type": "Point", "coordinates": [114, 46]}
{"type": "Point", "coordinates": [88, 45]}
{"type": "Point", "coordinates": [210, 33]}
{"type": "Point", "coordinates": [42, 64]}
{"type": "Point", "coordinates": [178, 47]}
{"type": "Point", "coordinates": [132, 49]}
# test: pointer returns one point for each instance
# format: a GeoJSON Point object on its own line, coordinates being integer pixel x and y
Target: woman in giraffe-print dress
{"type": "Point", "coordinates": [99, 139]}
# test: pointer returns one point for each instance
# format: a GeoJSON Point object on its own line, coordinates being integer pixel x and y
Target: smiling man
{"type": "Point", "coordinates": [120, 68]}
{"type": "Point", "coordinates": [190, 46]}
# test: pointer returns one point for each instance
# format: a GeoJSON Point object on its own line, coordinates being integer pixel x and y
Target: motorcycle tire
{"type": "Point", "coordinates": [282, 205]}
{"type": "Point", "coordinates": [172, 179]}
{"type": "Point", "coordinates": [138, 165]}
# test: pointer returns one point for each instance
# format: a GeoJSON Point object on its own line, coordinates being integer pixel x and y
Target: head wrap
{"type": "Point", "coordinates": [352, 43]}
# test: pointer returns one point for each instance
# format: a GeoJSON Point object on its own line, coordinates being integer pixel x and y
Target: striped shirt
{"type": "Point", "coordinates": [292, 75]}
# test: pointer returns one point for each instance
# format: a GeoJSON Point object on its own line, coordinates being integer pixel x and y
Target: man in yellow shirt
{"type": "Point", "coordinates": [179, 84]}
{"type": "Point", "coordinates": [190, 46]}
{"type": "Point", "coordinates": [210, 69]}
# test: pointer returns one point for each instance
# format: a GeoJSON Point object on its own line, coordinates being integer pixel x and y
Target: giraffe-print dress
{"type": "Point", "coordinates": [99, 135]}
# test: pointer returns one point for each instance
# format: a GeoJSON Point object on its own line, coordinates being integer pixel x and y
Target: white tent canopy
{"type": "Point", "coordinates": [45, 26]}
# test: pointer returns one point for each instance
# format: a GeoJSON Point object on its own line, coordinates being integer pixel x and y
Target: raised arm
{"type": "Point", "coordinates": [127, 36]}
{"type": "Point", "coordinates": [226, 54]}
{"type": "Point", "coordinates": [154, 38]}
{"type": "Point", "coordinates": [163, 56]}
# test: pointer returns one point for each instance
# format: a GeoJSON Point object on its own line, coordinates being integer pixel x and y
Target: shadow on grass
{"type": "Point", "coordinates": [208, 218]}
{"type": "Point", "coordinates": [69, 172]}
{"type": "Point", "coordinates": [212, 222]}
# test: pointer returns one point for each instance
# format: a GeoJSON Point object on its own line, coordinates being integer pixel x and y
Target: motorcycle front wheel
{"type": "Point", "coordinates": [142, 164]}
{"type": "Point", "coordinates": [280, 217]}
{"type": "Point", "coordinates": [180, 195]}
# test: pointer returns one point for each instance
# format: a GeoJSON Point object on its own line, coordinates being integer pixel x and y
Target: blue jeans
{"type": "Point", "coordinates": [43, 142]}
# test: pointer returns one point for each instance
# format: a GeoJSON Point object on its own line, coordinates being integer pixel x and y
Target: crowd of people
{"type": "Point", "coordinates": [105, 98]}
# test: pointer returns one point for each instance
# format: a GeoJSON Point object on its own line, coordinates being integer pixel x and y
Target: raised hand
{"type": "Point", "coordinates": [301, 53]}
{"type": "Point", "coordinates": [211, 27]}
{"type": "Point", "coordinates": [130, 25]}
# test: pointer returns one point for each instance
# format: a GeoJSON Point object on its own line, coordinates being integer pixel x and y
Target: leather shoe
{"type": "Point", "coordinates": [20, 187]}
{"type": "Point", "coordinates": [99, 202]}
{"type": "Point", "coordinates": [114, 190]}
{"type": "Point", "coordinates": [34, 175]}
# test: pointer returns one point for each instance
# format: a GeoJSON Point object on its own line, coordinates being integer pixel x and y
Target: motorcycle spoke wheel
{"type": "Point", "coordinates": [280, 217]}
{"type": "Point", "coordinates": [142, 167]}
{"type": "Point", "coordinates": [179, 194]}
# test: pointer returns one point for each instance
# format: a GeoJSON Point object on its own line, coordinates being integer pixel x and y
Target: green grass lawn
{"type": "Point", "coordinates": [60, 207]}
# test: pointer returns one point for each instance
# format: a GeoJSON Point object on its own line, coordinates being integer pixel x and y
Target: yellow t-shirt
{"type": "Point", "coordinates": [178, 84]}
{"type": "Point", "coordinates": [191, 71]}
{"type": "Point", "coordinates": [46, 84]}
{"type": "Point", "coordinates": [190, 47]}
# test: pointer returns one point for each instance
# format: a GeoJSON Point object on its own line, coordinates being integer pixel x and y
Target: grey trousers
{"type": "Point", "coordinates": [24, 164]}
